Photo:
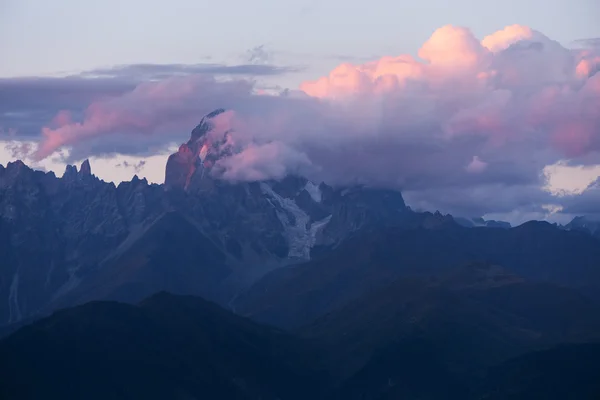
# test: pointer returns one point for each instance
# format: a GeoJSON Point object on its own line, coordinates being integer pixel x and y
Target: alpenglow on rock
{"type": "Point", "coordinates": [64, 240]}
{"type": "Point", "coordinates": [199, 153]}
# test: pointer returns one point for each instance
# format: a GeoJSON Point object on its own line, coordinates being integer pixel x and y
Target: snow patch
{"type": "Point", "coordinates": [72, 282]}
{"type": "Point", "coordinates": [300, 236]}
{"type": "Point", "coordinates": [315, 228]}
{"type": "Point", "coordinates": [14, 312]}
{"type": "Point", "coordinates": [314, 191]}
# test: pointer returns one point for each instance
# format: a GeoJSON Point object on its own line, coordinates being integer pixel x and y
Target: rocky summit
{"type": "Point", "coordinates": [198, 155]}
{"type": "Point", "coordinates": [65, 241]}
{"type": "Point", "coordinates": [377, 300]}
{"type": "Point", "coordinates": [59, 235]}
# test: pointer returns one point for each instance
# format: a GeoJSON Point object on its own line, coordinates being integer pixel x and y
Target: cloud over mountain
{"type": "Point", "coordinates": [466, 117]}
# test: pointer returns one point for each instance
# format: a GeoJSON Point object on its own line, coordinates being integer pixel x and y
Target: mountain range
{"type": "Point", "coordinates": [336, 292]}
{"type": "Point", "coordinates": [466, 334]}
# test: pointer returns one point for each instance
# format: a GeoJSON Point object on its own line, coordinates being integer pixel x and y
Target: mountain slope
{"type": "Point", "coordinates": [448, 329]}
{"type": "Point", "coordinates": [57, 233]}
{"type": "Point", "coordinates": [76, 238]}
{"type": "Point", "coordinates": [171, 254]}
{"type": "Point", "coordinates": [585, 224]}
{"type": "Point", "coordinates": [295, 296]}
{"type": "Point", "coordinates": [169, 346]}
{"type": "Point", "coordinates": [568, 372]}
{"type": "Point", "coordinates": [419, 338]}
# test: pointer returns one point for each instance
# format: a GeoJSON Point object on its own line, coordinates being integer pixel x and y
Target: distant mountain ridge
{"type": "Point", "coordinates": [480, 222]}
{"type": "Point", "coordinates": [371, 258]}
{"type": "Point", "coordinates": [469, 331]}
{"type": "Point", "coordinates": [76, 238]}
{"type": "Point", "coordinates": [165, 347]}
{"type": "Point", "coordinates": [362, 297]}
{"type": "Point", "coordinates": [58, 232]}
{"type": "Point", "coordinates": [585, 224]}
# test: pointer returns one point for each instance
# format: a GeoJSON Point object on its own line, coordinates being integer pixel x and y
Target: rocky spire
{"type": "Point", "coordinates": [85, 168]}
{"type": "Point", "coordinates": [181, 166]}
{"type": "Point", "coordinates": [70, 173]}
{"type": "Point", "coordinates": [204, 126]}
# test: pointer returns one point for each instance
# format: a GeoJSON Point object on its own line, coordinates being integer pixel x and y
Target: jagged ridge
{"type": "Point", "coordinates": [62, 230]}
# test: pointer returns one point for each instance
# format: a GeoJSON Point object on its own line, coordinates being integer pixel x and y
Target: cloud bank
{"type": "Point", "coordinates": [467, 127]}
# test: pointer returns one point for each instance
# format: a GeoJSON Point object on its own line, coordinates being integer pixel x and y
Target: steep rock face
{"type": "Point", "coordinates": [585, 224]}
{"type": "Point", "coordinates": [54, 228]}
{"type": "Point", "coordinates": [86, 169]}
{"type": "Point", "coordinates": [356, 207]}
{"type": "Point", "coordinates": [59, 232]}
{"type": "Point", "coordinates": [172, 255]}
{"type": "Point", "coordinates": [198, 153]}
{"type": "Point", "coordinates": [180, 168]}
{"type": "Point", "coordinates": [287, 218]}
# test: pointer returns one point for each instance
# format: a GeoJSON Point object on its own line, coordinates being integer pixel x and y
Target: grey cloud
{"type": "Point", "coordinates": [585, 203]}
{"type": "Point", "coordinates": [258, 55]}
{"type": "Point", "coordinates": [137, 167]}
{"type": "Point", "coordinates": [29, 103]}
{"type": "Point", "coordinates": [417, 135]}
{"type": "Point", "coordinates": [325, 56]}
{"type": "Point", "coordinates": [141, 72]}
{"type": "Point", "coordinates": [483, 199]}
{"type": "Point", "coordinates": [18, 150]}
{"type": "Point", "coordinates": [588, 43]}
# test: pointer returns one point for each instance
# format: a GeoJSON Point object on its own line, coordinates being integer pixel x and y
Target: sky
{"type": "Point", "coordinates": [470, 107]}
{"type": "Point", "coordinates": [45, 37]}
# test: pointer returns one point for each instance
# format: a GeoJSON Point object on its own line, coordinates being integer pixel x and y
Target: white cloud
{"type": "Point", "coordinates": [116, 168]}
{"type": "Point", "coordinates": [563, 179]}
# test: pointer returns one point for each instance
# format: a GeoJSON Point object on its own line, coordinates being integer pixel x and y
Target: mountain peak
{"type": "Point", "coordinates": [195, 154]}
{"type": "Point", "coordinates": [205, 125]}
{"type": "Point", "coordinates": [85, 168]}
{"type": "Point", "coordinates": [585, 223]}
{"type": "Point", "coordinates": [12, 171]}
{"type": "Point", "coordinates": [16, 164]}
{"type": "Point", "coordinates": [70, 172]}
{"type": "Point", "coordinates": [214, 113]}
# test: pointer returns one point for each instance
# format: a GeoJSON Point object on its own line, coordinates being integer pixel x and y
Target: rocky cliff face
{"type": "Point", "coordinates": [65, 239]}
{"type": "Point", "coordinates": [56, 234]}
{"type": "Point", "coordinates": [197, 156]}
{"type": "Point", "coordinates": [585, 224]}
{"type": "Point", "coordinates": [53, 230]}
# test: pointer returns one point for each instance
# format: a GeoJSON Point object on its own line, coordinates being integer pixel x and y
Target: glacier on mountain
{"type": "Point", "coordinates": [300, 233]}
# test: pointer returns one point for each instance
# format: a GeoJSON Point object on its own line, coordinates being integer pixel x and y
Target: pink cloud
{"type": "Point", "coordinates": [515, 85]}
{"type": "Point", "coordinates": [453, 47]}
{"type": "Point", "coordinates": [147, 108]}
{"type": "Point", "coordinates": [272, 160]}
{"type": "Point", "coordinates": [516, 99]}
{"type": "Point", "coordinates": [511, 34]}
{"type": "Point", "coordinates": [61, 119]}
{"type": "Point", "coordinates": [573, 137]}
{"type": "Point", "coordinates": [588, 64]}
